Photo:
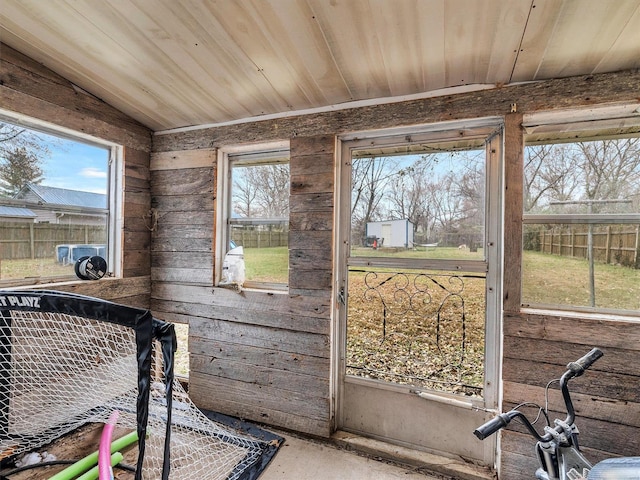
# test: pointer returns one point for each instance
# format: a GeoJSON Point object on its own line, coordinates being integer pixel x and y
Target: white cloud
{"type": "Point", "coordinates": [93, 173]}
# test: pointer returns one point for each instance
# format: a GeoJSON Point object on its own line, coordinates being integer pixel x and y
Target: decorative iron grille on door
{"type": "Point", "coordinates": [417, 328]}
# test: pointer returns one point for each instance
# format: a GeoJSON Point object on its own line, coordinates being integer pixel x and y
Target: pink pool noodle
{"type": "Point", "coordinates": [104, 451]}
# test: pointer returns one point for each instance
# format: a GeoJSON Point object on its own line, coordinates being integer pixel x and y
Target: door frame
{"type": "Point", "coordinates": [494, 235]}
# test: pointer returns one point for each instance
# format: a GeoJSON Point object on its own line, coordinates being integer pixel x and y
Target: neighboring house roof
{"type": "Point", "coordinates": [21, 212]}
{"type": "Point", "coordinates": [61, 196]}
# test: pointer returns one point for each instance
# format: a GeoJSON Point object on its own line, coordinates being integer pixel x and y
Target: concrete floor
{"type": "Point", "coordinates": [300, 459]}
{"type": "Point", "coordinates": [350, 457]}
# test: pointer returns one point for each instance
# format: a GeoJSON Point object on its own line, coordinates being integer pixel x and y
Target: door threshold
{"type": "Point", "coordinates": [426, 462]}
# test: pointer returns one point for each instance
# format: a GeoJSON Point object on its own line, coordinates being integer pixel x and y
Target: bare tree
{"type": "Point", "coordinates": [410, 193]}
{"type": "Point", "coordinates": [244, 194]}
{"type": "Point", "coordinates": [22, 152]}
{"type": "Point", "coordinates": [550, 173]}
{"type": "Point", "coordinates": [470, 184]}
{"type": "Point", "coordinates": [611, 168]}
{"type": "Point", "coordinates": [435, 199]}
{"type": "Point", "coordinates": [370, 177]}
{"type": "Point", "coordinates": [261, 190]}
{"type": "Point", "coordinates": [448, 203]}
{"type": "Point", "coordinates": [595, 170]}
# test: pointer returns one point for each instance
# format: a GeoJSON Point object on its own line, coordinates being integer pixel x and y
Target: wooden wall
{"type": "Point", "coordinates": [606, 398]}
{"type": "Point", "coordinates": [266, 357]}
{"type": "Point", "coordinates": [255, 355]}
{"type": "Point", "coordinates": [28, 88]}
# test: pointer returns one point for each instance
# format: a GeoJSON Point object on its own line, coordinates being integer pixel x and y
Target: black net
{"type": "Point", "coordinates": [68, 360]}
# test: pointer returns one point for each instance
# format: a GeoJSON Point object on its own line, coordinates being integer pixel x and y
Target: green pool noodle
{"type": "Point", "coordinates": [91, 460]}
{"type": "Point", "coordinates": [94, 473]}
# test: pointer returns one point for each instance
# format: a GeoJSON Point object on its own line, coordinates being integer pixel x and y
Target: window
{"type": "Point", "coordinates": [419, 201]}
{"type": "Point", "coordinates": [255, 224]}
{"type": "Point", "coordinates": [581, 241]}
{"type": "Point", "coordinates": [56, 201]}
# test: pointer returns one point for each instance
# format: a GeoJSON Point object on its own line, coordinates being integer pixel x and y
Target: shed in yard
{"type": "Point", "coordinates": [391, 233]}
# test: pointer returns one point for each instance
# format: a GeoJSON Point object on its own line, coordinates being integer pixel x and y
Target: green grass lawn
{"type": "Point", "coordinates": [549, 279]}
{"type": "Point", "coordinates": [271, 264]}
{"type": "Point", "coordinates": [42, 267]}
{"type": "Point", "coordinates": [267, 264]}
{"type": "Point", "coordinates": [555, 280]}
{"type": "Point", "coordinates": [441, 253]}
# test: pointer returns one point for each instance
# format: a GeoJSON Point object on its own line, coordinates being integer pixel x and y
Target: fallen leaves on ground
{"type": "Point", "coordinates": [417, 329]}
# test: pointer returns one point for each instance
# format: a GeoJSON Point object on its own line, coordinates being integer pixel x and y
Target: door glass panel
{"type": "Point", "coordinates": [419, 203]}
{"type": "Point", "coordinates": [421, 328]}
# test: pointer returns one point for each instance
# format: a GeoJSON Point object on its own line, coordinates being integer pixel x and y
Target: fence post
{"type": "Point", "coordinates": [32, 242]}
{"type": "Point", "coordinates": [635, 254]}
{"type": "Point", "coordinates": [560, 241]}
{"type": "Point", "coordinates": [573, 240]}
{"type": "Point", "coordinates": [607, 253]}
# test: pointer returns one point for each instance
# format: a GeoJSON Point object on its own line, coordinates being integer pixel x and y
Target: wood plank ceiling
{"type": "Point", "coordinates": [172, 64]}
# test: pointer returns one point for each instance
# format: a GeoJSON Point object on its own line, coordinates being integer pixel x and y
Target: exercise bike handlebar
{"type": "Point", "coordinates": [501, 421]}
{"type": "Point", "coordinates": [579, 366]}
{"type": "Point", "coordinates": [574, 369]}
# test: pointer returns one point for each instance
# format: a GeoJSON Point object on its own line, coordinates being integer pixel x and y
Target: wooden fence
{"type": "Point", "coordinates": [611, 244]}
{"type": "Point", "coordinates": [260, 238]}
{"type": "Point", "coordinates": [19, 241]}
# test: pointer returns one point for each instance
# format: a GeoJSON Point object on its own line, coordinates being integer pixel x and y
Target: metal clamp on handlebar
{"type": "Point", "coordinates": [561, 433]}
{"type": "Point", "coordinates": [564, 431]}
{"type": "Point", "coordinates": [553, 434]}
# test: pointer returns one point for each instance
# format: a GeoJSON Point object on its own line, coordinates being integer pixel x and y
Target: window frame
{"type": "Point", "coordinates": [574, 126]}
{"type": "Point", "coordinates": [224, 205]}
{"type": "Point", "coordinates": [115, 193]}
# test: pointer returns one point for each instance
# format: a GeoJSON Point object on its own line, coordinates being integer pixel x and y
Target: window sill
{"type": "Point", "coordinates": [270, 288]}
{"type": "Point", "coordinates": [48, 283]}
{"type": "Point", "coordinates": [607, 315]}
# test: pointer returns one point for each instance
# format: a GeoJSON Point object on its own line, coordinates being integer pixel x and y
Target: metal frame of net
{"type": "Point", "coordinates": [68, 360]}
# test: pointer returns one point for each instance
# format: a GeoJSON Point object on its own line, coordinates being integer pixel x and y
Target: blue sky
{"type": "Point", "coordinates": [75, 166]}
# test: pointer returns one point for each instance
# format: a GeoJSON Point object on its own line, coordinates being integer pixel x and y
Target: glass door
{"type": "Point", "coordinates": [419, 283]}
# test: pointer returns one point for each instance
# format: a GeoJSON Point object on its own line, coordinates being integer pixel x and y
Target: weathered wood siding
{"type": "Point", "coordinates": [132, 291]}
{"type": "Point", "coordinates": [606, 398]}
{"type": "Point", "coordinates": [28, 88]}
{"type": "Point", "coordinates": [183, 185]}
{"type": "Point", "coordinates": [256, 355]}
{"type": "Point", "coordinates": [549, 95]}
{"type": "Point", "coordinates": [266, 357]}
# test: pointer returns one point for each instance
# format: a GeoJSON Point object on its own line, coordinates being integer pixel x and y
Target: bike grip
{"type": "Point", "coordinates": [492, 426]}
{"type": "Point", "coordinates": [579, 366]}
